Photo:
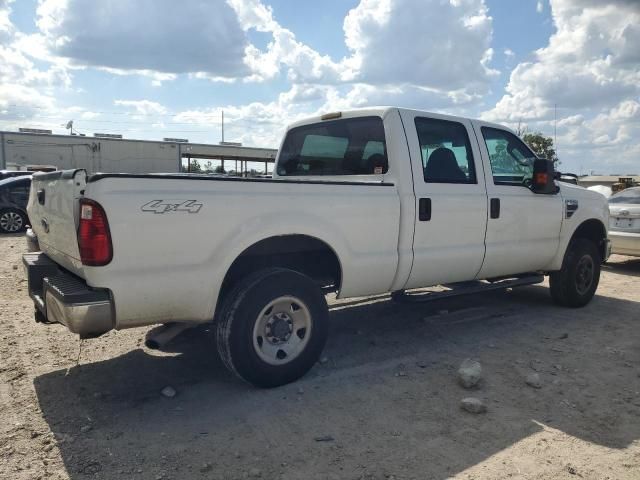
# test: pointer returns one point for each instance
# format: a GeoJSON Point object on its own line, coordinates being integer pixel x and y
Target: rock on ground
{"type": "Point", "coordinates": [469, 373]}
{"type": "Point", "coordinates": [168, 392]}
{"type": "Point", "coordinates": [473, 405]}
{"type": "Point", "coordinates": [533, 380]}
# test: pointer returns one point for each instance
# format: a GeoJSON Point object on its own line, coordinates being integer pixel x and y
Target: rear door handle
{"type": "Point", "coordinates": [40, 195]}
{"type": "Point", "coordinates": [424, 209]}
{"type": "Point", "coordinates": [494, 208]}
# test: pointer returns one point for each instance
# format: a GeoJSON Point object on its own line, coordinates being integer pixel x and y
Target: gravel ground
{"type": "Point", "coordinates": [384, 403]}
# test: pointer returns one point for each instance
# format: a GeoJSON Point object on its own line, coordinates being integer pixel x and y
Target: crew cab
{"type": "Point", "coordinates": [361, 203]}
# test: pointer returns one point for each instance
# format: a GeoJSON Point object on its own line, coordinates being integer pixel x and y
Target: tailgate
{"type": "Point", "coordinates": [53, 211]}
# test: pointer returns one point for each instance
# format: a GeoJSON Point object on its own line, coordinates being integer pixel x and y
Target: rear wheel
{"type": "Point", "coordinates": [12, 220]}
{"type": "Point", "coordinates": [576, 283]}
{"type": "Point", "coordinates": [272, 327]}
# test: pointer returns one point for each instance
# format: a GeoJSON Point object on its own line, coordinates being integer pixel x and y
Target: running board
{"type": "Point", "coordinates": [466, 288]}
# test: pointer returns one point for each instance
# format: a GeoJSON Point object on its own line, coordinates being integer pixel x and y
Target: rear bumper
{"type": "Point", "coordinates": [625, 243]}
{"type": "Point", "coordinates": [64, 298]}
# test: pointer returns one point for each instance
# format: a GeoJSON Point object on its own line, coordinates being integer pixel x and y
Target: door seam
{"type": "Point", "coordinates": [486, 194]}
{"type": "Point", "coordinates": [415, 217]}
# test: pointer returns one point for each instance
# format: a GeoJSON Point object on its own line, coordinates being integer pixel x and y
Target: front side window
{"type": "Point", "coordinates": [446, 151]}
{"type": "Point", "coordinates": [354, 146]}
{"type": "Point", "coordinates": [19, 193]}
{"type": "Point", "coordinates": [13, 191]}
{"type": "Point", "coordinates": [511, 160]}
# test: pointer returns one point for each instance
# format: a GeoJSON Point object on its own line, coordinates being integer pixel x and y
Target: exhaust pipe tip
{"type": "Point", "coordinates": [158, 337]}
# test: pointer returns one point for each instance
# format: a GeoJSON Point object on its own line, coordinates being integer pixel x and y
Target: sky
{"type": "Point", "coordinates": [150, 69]}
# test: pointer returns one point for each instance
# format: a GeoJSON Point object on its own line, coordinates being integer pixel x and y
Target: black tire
{"type": "Point", "coordinates": [241, 314]}
{"type": "Point", "coordinates": [12, 220]}
{"type": "Point", "coordinates": [570, 286]}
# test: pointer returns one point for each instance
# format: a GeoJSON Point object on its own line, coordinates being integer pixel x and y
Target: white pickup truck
{"type": "Point", "coordinates": [360, 203]}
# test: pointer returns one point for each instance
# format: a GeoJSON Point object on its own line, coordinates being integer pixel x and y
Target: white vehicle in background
{"type": "Point", "coordinates": [361, 203]}
{"type": "Point", "coordinates": [624, 223]}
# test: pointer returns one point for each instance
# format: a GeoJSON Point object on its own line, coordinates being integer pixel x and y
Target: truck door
{"type": "Point", "coordinates": [523, 229]}
{"type": "Point", "coordinates": [450, 196]}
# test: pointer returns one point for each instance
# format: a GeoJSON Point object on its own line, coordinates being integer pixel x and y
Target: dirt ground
{"type": "Point", "coordinates": [385, 404]}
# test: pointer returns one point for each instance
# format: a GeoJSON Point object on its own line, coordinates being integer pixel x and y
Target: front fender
{"type": "Point", "coordinates": [590, 208]}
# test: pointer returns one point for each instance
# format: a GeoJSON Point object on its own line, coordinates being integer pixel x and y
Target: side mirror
{"type": "Point", "coordinates": [543, 177]}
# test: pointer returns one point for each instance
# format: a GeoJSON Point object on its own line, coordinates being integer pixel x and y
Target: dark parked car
{"type": "Point", "coordinates": [13, 173]}
{"type": "Point", "coordinates": [14, 195]}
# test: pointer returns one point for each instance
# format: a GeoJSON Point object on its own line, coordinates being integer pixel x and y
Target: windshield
{"type": "Point", "coordinates": [630, 195]}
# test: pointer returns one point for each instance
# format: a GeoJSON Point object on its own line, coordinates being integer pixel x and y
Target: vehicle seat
{"type": "Point", "coordinates": [376, 160]}
{"type": "Point", "coordinates": [442, 166]}
{"type": "Point", "coordinates": [351, 162]}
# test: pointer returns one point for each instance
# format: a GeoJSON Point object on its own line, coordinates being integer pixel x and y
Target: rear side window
{"type": "Point", "coordinates": [354, 146]}
{"type": "Point", "coordinates": [446, 151]}
{"type": "Point", "coordinates": [630, 196]}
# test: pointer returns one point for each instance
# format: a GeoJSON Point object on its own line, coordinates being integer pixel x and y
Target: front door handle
{"type": "Point", "coordinates": [424, 209]}
{"type": "Point", "coordinates": [494, 208]}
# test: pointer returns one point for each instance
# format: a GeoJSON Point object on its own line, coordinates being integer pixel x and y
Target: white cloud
{"type": "Point", "coordinates": [378, 70]}
{"type": "Point", "coordinates": [89, 115]}
{"type": "Point", "coordinates": [142, 107]}
{"type": "Point", "coordinates": [157, 78]}
{"type": "Point", "coordinates": [540, 6]}
{"type": "Point", "coordinates": [440, 45]}
{"type": "Point", "coordinates": [208, 39]}
{"type": "Point", "coordinates": [509, 53]}
{"type": "Point", "coordinates": [259, 123]}
{"type": "Point", "coordinates": [6, 27]}
{"type": "Point", "coordinates": [302, 62]}
{"type": "Point", "coordinates": [25, 89]}
{"type": "Point", "coordinates": [590, 70]}
{"type": "Point", "coordinates": [146, 35]}
{"type": "Point", "coordinates": [589, 61]}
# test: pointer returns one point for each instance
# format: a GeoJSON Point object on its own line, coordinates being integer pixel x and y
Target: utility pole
{"type": "Point", "coordinates": [555, 128]}
{"type": "Point", "coordinates": [222, 126]}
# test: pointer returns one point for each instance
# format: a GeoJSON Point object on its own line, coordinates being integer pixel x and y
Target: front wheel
{"type": "Point", "coordinates": [576, 283]}
{"type": "Point", "coordinates": [12, 220]}
{"type": "Point", "coordinates": [272, 327]}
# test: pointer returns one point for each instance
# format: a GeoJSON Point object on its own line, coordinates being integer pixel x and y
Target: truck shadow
{"type": "Point", "coordinates": [623, 265]}
{"type": "Point", "coordinates": [384, 402]}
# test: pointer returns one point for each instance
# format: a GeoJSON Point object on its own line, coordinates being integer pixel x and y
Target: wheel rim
{"type": "Point", "coordinates": [11, 221]}
{"type": "Point", "coordinates": [282, 330]}
{"type": "Point", "coordinates": [584, 274]}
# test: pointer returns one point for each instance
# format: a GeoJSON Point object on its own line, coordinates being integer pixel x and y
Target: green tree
{"type": "Point", "coordinates": [195, 166]}
{"type": "Point", "coordinates": [541, 145]}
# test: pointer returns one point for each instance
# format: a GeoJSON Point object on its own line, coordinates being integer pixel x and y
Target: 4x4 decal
{"type": "Point", "coordinates": [168, 206]}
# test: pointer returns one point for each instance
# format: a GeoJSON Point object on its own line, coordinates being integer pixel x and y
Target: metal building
{"type": "Point", "coordinates": [98, 154]}
{"type": "Point", "coordinates": [606, 180]}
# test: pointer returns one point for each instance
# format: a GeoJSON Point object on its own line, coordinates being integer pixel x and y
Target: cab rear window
{"type": "Point", "coordinates": [354, 146]}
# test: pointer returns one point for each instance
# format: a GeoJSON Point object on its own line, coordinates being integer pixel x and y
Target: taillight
{"type": "Point", "coordinates": [94, 238]}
